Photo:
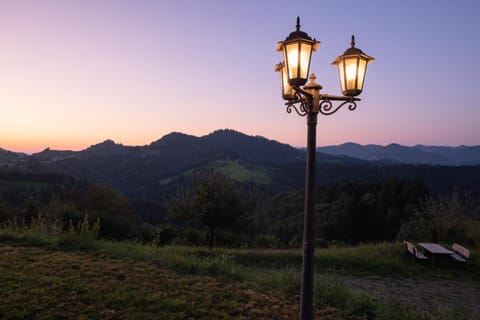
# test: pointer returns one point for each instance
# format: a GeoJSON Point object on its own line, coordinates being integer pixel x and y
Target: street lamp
{"type": "Point", "coordinates": [297, 49]}
{"type": "Point", "coordinates": [352, 65]}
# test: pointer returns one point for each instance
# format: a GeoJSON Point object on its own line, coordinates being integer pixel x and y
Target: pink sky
{"type": "Point", "coordinates": [73, 74]}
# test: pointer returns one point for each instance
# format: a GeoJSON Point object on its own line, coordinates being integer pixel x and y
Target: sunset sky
{"type": "Point", "coordinates": [75, 73]}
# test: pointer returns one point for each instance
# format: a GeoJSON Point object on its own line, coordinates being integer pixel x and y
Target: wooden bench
{"type": "Point", "coordinates": [461, 254]}
{"type": "Point", "coordinates": [411, 249]}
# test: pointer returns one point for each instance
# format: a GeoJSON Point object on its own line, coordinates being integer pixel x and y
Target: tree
{"type": "Point", "coordinates": [212, 201]}
{"type": "Point", "coordinates": [117, 219]}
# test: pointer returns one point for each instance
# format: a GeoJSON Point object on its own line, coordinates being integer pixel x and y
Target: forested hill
{"type": "Point", "coordinates": [149, 175]}
{"type": "Point", "coordinates": [175, 146]}
{"type": "Point", "coordinates": [156, 170]}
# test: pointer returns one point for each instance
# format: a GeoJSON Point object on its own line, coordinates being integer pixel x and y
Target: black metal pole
{"type": "Point", "coordinates": [306, 295]}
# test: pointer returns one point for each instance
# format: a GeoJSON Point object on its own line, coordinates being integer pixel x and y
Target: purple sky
{"type": "Point", "coordinates": [74, 73]}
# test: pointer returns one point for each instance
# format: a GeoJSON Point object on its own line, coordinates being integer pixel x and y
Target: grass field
{"type": "Point", "coordinates": [242, 173]}
{"type": "Point", "coordinates": [66, 276]}
{"type": "Point", "coordinates": [235, 170]}
{"type": "Point", "coordinates": [38, 283]}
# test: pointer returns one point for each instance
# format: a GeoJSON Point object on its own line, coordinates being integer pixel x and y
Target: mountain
{"type": "Point", "coordinates": [149, 175]}
{"type": "Point", "coordinates": [136, 169]}
{"type": "Point", "coordinates": [252, 148]}
{"type": "Point", "coordinates": [419, 154]}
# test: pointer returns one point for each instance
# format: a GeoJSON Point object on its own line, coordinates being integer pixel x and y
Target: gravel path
{"type": "Point", "coordinates": [427, 295]}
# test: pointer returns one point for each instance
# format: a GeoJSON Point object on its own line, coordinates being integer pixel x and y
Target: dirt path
{"type": "Point", "coordinates": [427, 296]}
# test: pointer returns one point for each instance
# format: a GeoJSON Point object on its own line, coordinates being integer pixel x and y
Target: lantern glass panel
{"type": "Point", "coordinates": [362, 67]}
{"type": "Point", "coordinates": [291, 58]}
{"type": "Point", "coordinates": [341, 72]}
{"type": "Point", "coordinates": [297, 57]}
{"type": "Point", "coordinates": [305, 54]}
{"type": "Point", "coordinates": [287, 89]}
{"type": "Point", "coordinates": [351, 71]}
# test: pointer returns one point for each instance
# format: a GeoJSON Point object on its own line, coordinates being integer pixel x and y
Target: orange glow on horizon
{"type": "Point", "coordinates": [29, 147]}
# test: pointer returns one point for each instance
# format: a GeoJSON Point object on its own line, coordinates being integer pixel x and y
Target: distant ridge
{"type": "Point", "coordinates": [419, 154]}
{"type": "Point", "coordinates": [189, 149]}
{"type": "Point", "coordinates": [107, 147]}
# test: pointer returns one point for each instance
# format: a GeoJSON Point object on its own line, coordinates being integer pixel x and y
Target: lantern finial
{"type": "Point", "coordinates": [298, 23]}
{"type": "Point", "coordinates": [353, 41]}
{"type": "Point", "coordinates": [312, 85]}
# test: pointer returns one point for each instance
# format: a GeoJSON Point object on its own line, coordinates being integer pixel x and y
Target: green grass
{"type": "Point", "coordinates": [261, 270]}
{"type": "Point", "coordinates": [239, 172]}
{"type": "Point", "coordinates": [233, 169]}
{"type": "Point", "coordinates": [42, 284]}
{"type": "Point", "coordinates": [387, 259]}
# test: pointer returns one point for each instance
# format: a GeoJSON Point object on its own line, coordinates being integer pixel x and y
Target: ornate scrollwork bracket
{"type": "Point", "coordinates": [304, 102]}
{"type": "Point", "coordinates": [326, 107]}
{"type": "Point", "coordinates": [300, 110]}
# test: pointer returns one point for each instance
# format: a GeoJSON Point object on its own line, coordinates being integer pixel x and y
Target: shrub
{"type": "Point", "coordinates": [438, 220]}
{"type": "Point", "coordinates": [164, 234]}
{"type": "Point", "coordinates": [267, 241]}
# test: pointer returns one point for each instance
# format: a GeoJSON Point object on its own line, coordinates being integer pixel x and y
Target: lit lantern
{"type": "Point", "coordinates": [287, 90]}
{"type": "Point", "coordinates": [297, 51]}
{"type": "Point", "coordinates": [352, 66]}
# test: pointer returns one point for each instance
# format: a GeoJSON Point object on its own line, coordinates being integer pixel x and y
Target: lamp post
{"type": "Point", "coordinates": [297, 49]}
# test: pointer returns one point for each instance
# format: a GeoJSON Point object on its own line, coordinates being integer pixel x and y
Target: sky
{"type": "Point", "coordinates": [75, 73]}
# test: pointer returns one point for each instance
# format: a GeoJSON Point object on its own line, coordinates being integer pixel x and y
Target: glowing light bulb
{"type": "Point", "coordinates": [351, 73]}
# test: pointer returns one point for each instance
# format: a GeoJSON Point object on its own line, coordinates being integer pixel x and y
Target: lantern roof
{"type": "Point", "coordinates": [298, 34]}
{"type": "Point", "coordinates": [352, 51]}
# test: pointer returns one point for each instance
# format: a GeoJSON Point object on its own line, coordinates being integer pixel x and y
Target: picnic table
{"type": "Point", "coordinates": [435, 249]}
{"type": "Point", "coordinates": [438, 253]}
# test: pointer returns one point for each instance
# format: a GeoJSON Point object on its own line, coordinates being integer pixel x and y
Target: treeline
{"type": "Point", "coordinates": [438, 179]}
{"type": "Point", "coordinates": [345, 212]}
{"type": "Point", "coordinates": [350, 212]}
{"type": "Point", "coordinates": [212, 209]}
